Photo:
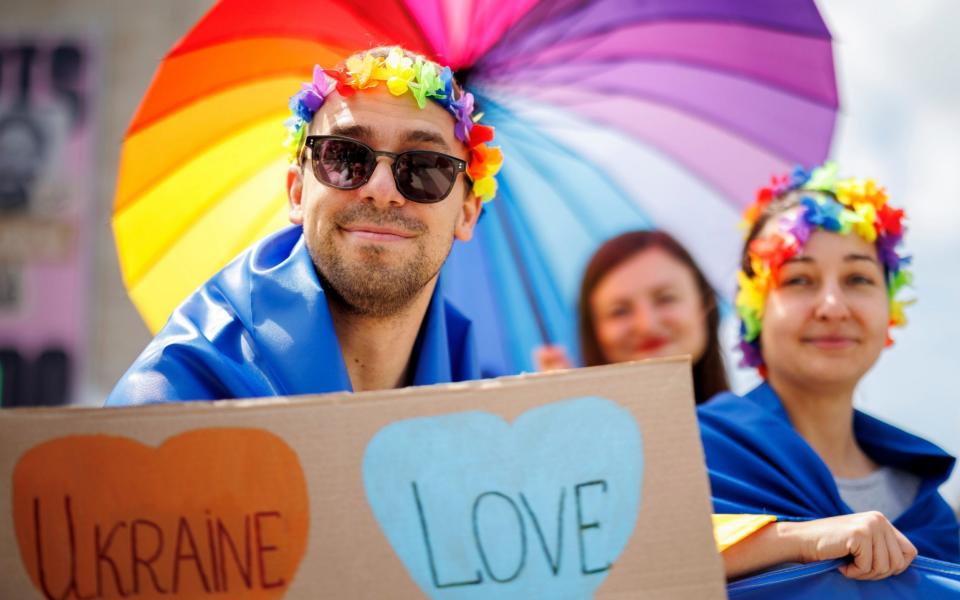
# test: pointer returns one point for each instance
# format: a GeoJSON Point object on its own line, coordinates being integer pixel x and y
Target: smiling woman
{"type": "Point", "coordinates": [826, 321]}
{"type": "Point", "coordinates": [643, 296]}
{"type": "Point", "coordinates": [818, 292]}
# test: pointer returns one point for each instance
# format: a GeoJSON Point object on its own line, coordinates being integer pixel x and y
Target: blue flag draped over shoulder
{"type": "Point", "coordinates": [758, 463]}
{"type": "Point", "coordinates": [261, 327]}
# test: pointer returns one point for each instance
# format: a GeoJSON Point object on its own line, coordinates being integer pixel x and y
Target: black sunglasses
{"type": "Point", "coordinates": [346, 164]}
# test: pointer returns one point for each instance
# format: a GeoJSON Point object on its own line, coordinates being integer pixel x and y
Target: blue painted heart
{"type": "Point", "coordinates": [477, 508]}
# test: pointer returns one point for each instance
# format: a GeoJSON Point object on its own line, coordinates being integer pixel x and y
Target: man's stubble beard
{"type": "Point", "coordinates": [367, 286]}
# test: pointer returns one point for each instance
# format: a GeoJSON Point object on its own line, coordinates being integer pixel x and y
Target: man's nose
{"type": "Point", "coordinates": [381, 188]}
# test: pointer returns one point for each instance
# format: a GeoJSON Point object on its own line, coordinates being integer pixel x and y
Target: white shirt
{"type": "Point", "coordinates": [887, 490]}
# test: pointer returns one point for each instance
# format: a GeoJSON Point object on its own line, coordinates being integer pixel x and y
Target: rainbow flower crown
{"type": "Point", "coordinates": [841, 206]}
{"type": "Point", "coordinates": [422, 79]}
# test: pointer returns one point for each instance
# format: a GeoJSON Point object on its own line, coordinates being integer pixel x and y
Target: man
{"type": "Point", "coordinates": [348, 298]}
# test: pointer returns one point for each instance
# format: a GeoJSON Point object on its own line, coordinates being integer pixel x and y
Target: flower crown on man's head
{"type": "Point", "coordinates": [423, 79]}
{"type": "Point", "coordinates": [840, 206]}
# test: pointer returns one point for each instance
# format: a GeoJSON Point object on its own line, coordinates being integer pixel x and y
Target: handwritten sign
{"type": "Point", "coordinates": [103, 516]}
{"type": "Point", "coordinates": [478, 508]}
{"type": "Point", "coordinates": [582, 484]}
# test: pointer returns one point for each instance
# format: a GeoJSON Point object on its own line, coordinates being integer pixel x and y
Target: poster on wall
{"type": "Point", "coordinates": [47, 178]}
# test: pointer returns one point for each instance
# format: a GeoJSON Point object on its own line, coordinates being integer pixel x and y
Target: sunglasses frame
{"type": "Point", "coordinates": [460, 165]}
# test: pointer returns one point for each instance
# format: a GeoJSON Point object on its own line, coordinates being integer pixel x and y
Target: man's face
{"type": "Point", "coordinates": [376, 249]}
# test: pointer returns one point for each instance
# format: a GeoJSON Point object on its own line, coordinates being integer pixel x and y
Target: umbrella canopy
{"type": "Point", "coordinates": [612, 116]}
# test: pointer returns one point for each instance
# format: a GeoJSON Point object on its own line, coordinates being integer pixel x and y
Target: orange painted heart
{"type": "Point", "coordinates": [222, 512]}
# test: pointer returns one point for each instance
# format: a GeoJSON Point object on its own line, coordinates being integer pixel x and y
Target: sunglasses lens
{"type": "Point", "coordinates": [425, 176]}
{"type": "Point", "coordinates": [342, 163]}
{"type": "Point", "coordinates": [421, 175]}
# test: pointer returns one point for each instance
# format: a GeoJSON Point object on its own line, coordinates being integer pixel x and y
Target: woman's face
{"type": "Point", "coordinates": [649, 306]}
{"type": "Point", "coordinates": [825, 321]}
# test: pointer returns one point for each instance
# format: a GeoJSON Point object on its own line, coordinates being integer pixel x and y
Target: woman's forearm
{"type": "Point", "coordinates": [876, 548]}
{"type": "Point", "coordinates": [771, 545]}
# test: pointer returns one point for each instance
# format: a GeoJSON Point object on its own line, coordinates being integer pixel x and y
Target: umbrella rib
{"type": "Point", "coordinates": [616, 60]}
{"type": "Point", "coordinates": [592, 230]}
{"type": "Point", "coordinates": [256, 224]}
{"type": "Point", "coordinates": [161, 250]}
{"type": "Point", "coordinates": [483, 66]}
{"type": "Point", "coordinates": [415, 26]}
{"type": "Point", "coordinates": [413, 20]}
{"type": "Point", "coordinates": [704, 117]}
{"type": "Point", "coordinates": [506, 349]}
{"type": "Point", "coordinates": [178, 106]}
{"type": "Point", "coordinates": [284, 33]}
{"type": "Point", "coordinates": [699, 175]}
{"type": "Point", "coordinates": [177, 165]}
{"type": "Point", "coordinates": [623, 195]}
{"type": "Point", "coordinates": [524, 276]}
{"type": "Point", "coordinates": [561, 147]}
{"type": "Point", "coordinates": [261, 35]}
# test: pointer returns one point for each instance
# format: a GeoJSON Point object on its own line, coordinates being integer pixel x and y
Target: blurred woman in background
{"type": "Point", "coordinates": [643, 296]}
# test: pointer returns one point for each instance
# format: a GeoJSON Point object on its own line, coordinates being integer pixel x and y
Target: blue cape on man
{"type": "Point", "coordinates": [262, 327]}
{"type": "Point", "coordinates": [759, 464]}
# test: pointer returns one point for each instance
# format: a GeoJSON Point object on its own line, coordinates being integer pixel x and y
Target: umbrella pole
{"type": "Point", "coordinates": [524, 276]}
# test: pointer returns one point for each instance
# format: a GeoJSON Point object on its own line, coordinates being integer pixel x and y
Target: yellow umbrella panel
{"type": "Point", "coordinates": [195, 189]}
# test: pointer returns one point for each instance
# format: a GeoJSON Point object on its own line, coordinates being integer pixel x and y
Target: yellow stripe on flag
{"type": "Point", "coordinates": [731, 529]}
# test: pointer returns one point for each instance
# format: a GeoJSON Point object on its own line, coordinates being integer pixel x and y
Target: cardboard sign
{"type": "Point", "coordinates": [587, 483]}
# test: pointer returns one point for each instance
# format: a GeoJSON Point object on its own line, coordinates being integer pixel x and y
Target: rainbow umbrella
{"type": "Point", "coordinates": [612, 115]}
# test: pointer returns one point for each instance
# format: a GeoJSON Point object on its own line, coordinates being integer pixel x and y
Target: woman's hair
{"type": "Point", "coordinates": [709, 375]}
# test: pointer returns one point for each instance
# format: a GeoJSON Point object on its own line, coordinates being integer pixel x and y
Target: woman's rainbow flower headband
{"type": "Point", "coordinates": [422, 79]}
{"type": "Point", "coordinates": [844, 206]}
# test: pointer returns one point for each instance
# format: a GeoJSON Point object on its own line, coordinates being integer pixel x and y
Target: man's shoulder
{"type": "Point", "coordinates": [192, 358]}
{"type": "Point", "coordinates": [268, 259]}
{"type": "Point", "coordinates": [210, 348]}
{"type": "Point", "coordinates": [222, 309]}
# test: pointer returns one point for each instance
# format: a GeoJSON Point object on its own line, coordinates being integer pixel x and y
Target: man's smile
{"type": "Point", "coordinates": [377, 233]}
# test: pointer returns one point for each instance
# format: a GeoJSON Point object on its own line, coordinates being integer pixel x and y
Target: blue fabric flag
{"type": "Point", "coordinates": [759, 464]}
{"type": "Point", "coordinates": [926, 579]}
{"type": "Point", "coordinates": [261, 327]}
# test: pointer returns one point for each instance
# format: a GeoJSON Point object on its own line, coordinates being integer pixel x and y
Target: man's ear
{"type": "Point", "coordinates": [469, 213]}
{"type": "Point", "coordinates": [295, 194]}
